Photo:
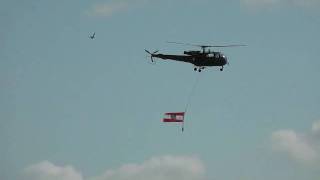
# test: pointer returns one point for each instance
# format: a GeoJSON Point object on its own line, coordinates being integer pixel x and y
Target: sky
{"type": "Point", "coordinates": [73, 108]}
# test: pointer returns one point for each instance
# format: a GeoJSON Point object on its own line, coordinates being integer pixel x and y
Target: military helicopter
{"type": "Point", "coordinates": [199, 58]}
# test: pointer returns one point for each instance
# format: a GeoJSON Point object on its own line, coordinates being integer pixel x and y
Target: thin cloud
{"type": "Point", "coordinates": [258, 4]}
{"type": "Point", "coordinates": [316, 127]}
{"type": "Point", "coordinates": [299, 146]}
{"type": "Point", "coordinates": [156, 168]}
{"type": "Point", "coordinates": [112, 7]}
{"type": "Point", "coordinates": [294, 144]}
{"type": "Point", "coordinates": [108, 9]}
{"type": "Point", "coordinates": [48, 171]}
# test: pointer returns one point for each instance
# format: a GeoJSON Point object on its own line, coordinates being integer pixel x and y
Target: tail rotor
{"type": "Point", "coordinates": [151, 54]}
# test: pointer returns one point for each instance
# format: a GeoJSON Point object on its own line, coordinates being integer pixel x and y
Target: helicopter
{"type": "Point", "coordinates": [199, 58]}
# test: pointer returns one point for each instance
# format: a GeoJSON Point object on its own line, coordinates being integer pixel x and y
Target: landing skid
{"type": "Point", "coordinates": [199, 69]}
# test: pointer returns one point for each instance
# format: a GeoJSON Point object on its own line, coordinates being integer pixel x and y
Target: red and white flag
{"type": "Point", "coordinates": [174, 117]}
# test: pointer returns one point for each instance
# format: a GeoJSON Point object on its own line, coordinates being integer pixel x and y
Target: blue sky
{"type": "Point", "coordinates": [78, 109]}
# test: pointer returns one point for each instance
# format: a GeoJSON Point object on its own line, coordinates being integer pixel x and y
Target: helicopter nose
{"type": "Point", "coordinates": [225, 60]}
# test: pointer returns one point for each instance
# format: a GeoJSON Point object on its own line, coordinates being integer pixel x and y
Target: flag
{"type": "Point", "coordinates": [173, 117]}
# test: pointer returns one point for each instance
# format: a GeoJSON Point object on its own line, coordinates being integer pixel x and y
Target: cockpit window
{"type": "Point", "coordinates": [217, 55]}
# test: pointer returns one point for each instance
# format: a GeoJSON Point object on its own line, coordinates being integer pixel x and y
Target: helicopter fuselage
{"type": "Point", "coordinates": [200, 60]}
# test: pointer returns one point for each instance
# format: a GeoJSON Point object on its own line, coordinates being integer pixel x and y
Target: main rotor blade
{"type": "Point", "coordinates": [172, 42]}
{"type": "Point", "coordinates": [229, 45]}
{"type": "Point", "coordinates": [206, 46]}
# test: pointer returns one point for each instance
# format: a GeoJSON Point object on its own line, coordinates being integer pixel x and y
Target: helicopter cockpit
{"type": "Point", "coordinates": [215, 54]}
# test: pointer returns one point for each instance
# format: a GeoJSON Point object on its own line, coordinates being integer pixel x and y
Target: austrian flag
{"type": "Point", "coordinates": [174, 117]}
{"type": "Point", "coordinates": [177, 117]}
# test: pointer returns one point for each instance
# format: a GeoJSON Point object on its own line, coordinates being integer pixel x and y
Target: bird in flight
{"type": "Point", "coordinates": [93, 35]}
